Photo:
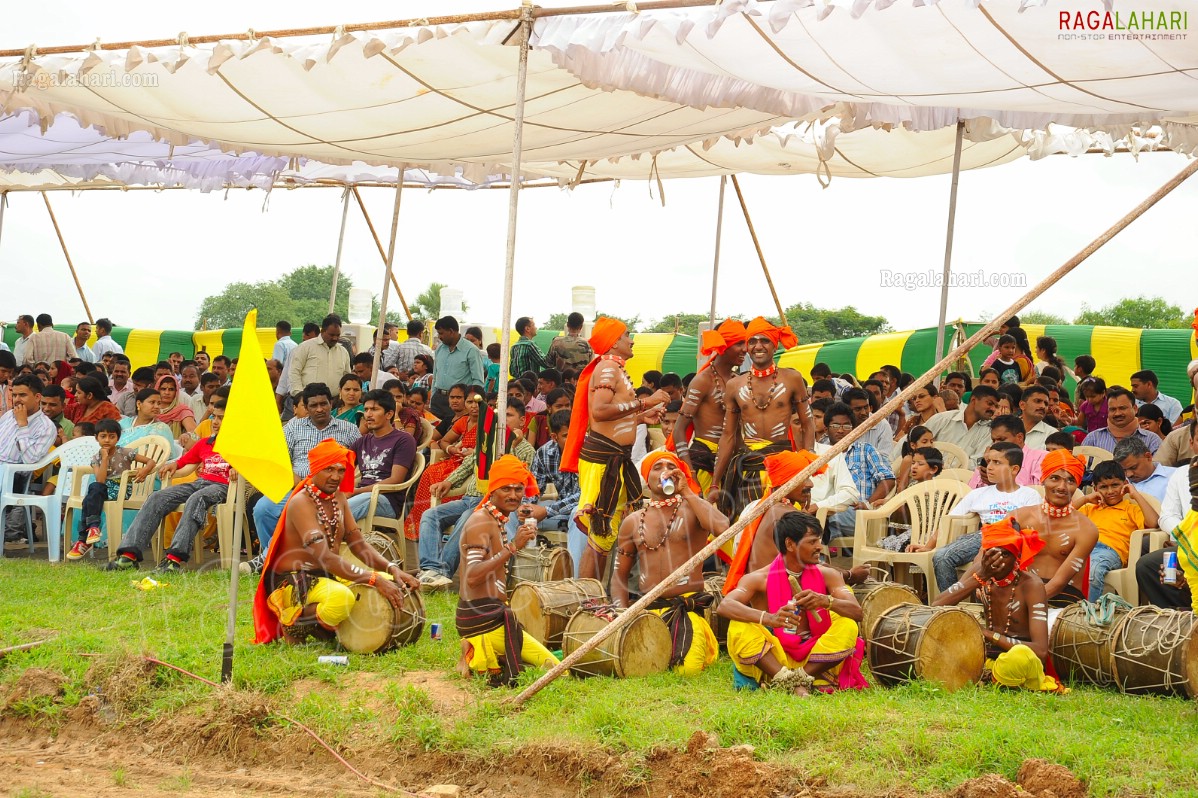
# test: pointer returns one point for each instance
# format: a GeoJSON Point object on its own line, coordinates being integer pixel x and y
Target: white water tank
{"type": "Point", "coordinates": [360, 305]}
{"type": "Point", "coordinates": [582, 300]}
{"type": "Point", "coordinates": [451, 303]}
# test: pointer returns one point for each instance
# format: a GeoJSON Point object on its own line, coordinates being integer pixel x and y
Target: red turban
{"type": "Point", "coordinates": [783, 337]}
{"type": "Point", "coordinates": [729, 333]}
{"type": "Point", "coordinates": [328, 452]}
{"type": "Point", "coordinates": [1024, 545]}
{"type": "Point", "coordinates": [1061, 459]}
{"type": "Point", "coordinates": [653, 457]}
{"type": "Point", "coordinates": [603, 337]}
{"type": "Point", "coordinates": [510, 470]}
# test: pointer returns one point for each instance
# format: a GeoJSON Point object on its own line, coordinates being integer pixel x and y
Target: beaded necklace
{"type": "Point", "coordinates": [499, 517]}
{"type": "Point", "coordinates": [1011, 579]}
{"type": "Point", "coordinates": [669, 525]}
{"type": "Point", "coordinates": [1056, 512]}
{"type": "Point", "coordinates": [768, 371]}
{"type": "Point", "coordinates": [329, 525]}
{"type": "Point", "coordinates": [769, 396]}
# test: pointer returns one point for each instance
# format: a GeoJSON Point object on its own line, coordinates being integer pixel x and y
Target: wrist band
{"type": "Point", "coordinates": [374, 577]}
{"type": "Point", "coordinates": [763, 617]}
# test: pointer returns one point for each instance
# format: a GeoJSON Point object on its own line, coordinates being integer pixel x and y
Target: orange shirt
{"type": "Point", "coordinates": [1116, 523]}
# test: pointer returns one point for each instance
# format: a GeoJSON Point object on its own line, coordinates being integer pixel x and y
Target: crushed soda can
{"type": "Point", "coordinates": [333, 659]}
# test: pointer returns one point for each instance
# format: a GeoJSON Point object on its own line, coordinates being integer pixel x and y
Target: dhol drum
{"type": "Point", "coordinates": [543, 608]}
{"type": "Point", "coordinates": [1156, 651]}
{"type": "Point", "coordinates": [877, 597]}
{"type": "Point", "coordinates": [374, 626]}
{"type": "Point", "coordinates": [719, 624]}
{"type": "Point", "coordinates": [640, 648]}
{"type": "Point", "coordinates": [538, 565]}
{"type": "Point", "coordinates": [938, 644]}
{"type": "Point", "coordinates": [1080, 649]}
{"type": "Point", "coordinates": [383, 544]}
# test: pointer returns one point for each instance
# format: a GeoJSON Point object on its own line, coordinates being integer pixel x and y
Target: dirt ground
{"type": "Point", "coordinates": [233, 747]}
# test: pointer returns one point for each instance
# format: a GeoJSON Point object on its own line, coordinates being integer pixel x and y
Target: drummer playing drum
{"type": "Point", "coordinates": [675, 524]}
{"type": "Point", "coordinates": [304, 588]}
{"type": "Point", "coordinates": [493, 641]}
{"type": "Point", "coordinates": [1015, 603]}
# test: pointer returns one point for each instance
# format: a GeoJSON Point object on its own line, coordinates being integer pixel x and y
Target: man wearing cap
{"type": "Point", "coordinates": [1068, 536]}
{"type": "Point", "coordinates": [674, 525]}
{"type": "Point", "coordinates": [1016, 621]}
{"type": "Point", "coordinates": [493, 641]}
{"type": "Point", "coordinates": [757, 423]}
{"type": "Point", "coordinates": [599, 447]}
{"type": "Point", "coordinates": [703, 407]}
{"type": "Point", "coordinates": [304, 587]}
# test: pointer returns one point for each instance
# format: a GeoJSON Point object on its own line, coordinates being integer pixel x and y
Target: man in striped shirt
{"type": "Point", "coordinates": [26, 436]}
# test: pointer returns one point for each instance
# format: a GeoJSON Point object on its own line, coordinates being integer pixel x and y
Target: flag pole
{"type": "Point", "coordinates": [226, 663]}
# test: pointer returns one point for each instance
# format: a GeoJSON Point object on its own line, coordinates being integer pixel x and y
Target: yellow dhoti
{"type": "Point", "coordinates": [331, 597]}
{"type": "Point", "coordinates": [590, 477]}
{"type": "Point", "coordinates": [704, 650]}
{"type": "Point", "coordinates": [484, 650]}
{"type": "Point", "coordinates": [749, 642]}
{"type": "Point", "coordinates": [1020, 667]}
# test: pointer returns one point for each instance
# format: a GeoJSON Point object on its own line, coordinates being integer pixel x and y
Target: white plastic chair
{"type": "Point", "coordinates": [72, 454]}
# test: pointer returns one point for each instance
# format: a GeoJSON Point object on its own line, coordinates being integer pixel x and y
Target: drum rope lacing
{"type": "Point", "coordinates": [1095, 635]}
{"type": "Point", "coordinates": [1175, 632]}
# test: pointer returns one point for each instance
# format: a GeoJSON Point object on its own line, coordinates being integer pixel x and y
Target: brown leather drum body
{"type": "Point", "coordinates": [375, 627]}
{"type": "Point", "coordinates": [544, 608]}
{"type": "Point", "coordinates": [1156, 651]}
{"type": "Point", "coordinates": [939, 644]}
{"type": "Point", "coordinates": [718, 623]}
{"type": "Point", "coordinates": [877, 597]}
{"type": "Point", "coordinates": [638, 649]}
{"type": "Point", "coordinates": [1080, 650]}
{"type": "Point", "coordinates": [538, 565]}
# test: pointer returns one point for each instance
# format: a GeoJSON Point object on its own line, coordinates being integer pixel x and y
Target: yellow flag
{"type": "Point", "coordinates": [251, 435]}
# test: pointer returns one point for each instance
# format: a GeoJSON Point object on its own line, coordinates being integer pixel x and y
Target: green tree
{"type": "Point", "coordinates": [556, 321]}
{"type": "Point", "coordinates": [685, 323]}
{"type": "Point", "coordinates": [1041, 317]}
{"type": "Point", "coordinates": [1145, 312]}
{"type": "Point", "coordinates": [297, 297]}
{"type": "Point", "coordinates": [427, 305]}
{"type": "Point", "coordinates": [633, 323]}
{"type": "Point", "coordinates": [813, 325]}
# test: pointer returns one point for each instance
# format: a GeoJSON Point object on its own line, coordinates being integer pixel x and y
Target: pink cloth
{"type": "Point", "coordinates": [778, 593]}
{"type": "Point", "coordinates": [1029, 473]}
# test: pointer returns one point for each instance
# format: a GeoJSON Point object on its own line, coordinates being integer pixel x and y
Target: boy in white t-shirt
{"type": "Point", "coordinates": [991, 504]}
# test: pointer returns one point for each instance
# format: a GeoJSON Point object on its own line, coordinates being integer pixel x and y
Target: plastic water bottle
{"type": "Point", "coordinates": [667, 486]}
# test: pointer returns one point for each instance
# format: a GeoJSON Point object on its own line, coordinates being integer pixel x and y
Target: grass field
{"type": "Point", "coordinates": [916, 738]}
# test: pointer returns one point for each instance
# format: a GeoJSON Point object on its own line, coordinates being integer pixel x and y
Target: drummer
{"type": "Point", "coordinates": [493, 641]}
{"type": "Point", "coordinates": [304, 587]}
{"type": "Point", "coordinates": [1016, 608]}
{"type": "Point", "coordinates": [1068, 536]}
{"type": "Point", "coordinates": [674, 525]}
{"type": "Point", "coordinates": [795, 641]}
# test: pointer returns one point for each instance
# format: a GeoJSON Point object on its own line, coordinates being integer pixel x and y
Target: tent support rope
{"type": "Point", "coordinates": [382, 252]}
{"type": "Point", "coordinates": [878, 416]}
{"type": "Point", "coordinates": [62, 242]}
{"type": "Point", "coordinates": [757, 245]}
{"type": "Point", "coordinates": [948, 238]}
{"type": "Point", "coordinates": [505, 329]}
{"type": "Point", "coordinates": [387, 280]}
{"type": "Point", "coordinates": [340, 246]}
{"type": "Point", "coordinates": [715, 265]}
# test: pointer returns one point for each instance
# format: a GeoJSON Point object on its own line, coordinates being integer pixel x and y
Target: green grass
{"type": "Point", "coordinates": [915, 737]}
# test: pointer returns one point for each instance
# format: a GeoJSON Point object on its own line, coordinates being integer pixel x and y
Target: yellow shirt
{"type": "Point", "coordinates": [1116, 523]}
{"type": "Point", "coordinates": [203, 429]}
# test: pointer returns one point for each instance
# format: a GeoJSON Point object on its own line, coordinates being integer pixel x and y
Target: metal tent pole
{"type": "Point", "coordinates": [948, 239]}
{"type": "Point", "coordinates": [378, 350]}
{"type": "Point", "coordinates": [62, 243]}
{"type": "Point", "coordinates": [340, 246]}
{"type": "Point", "coordinates": [715, 265]}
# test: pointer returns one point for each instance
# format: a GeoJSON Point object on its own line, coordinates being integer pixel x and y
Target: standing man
{"type": "Point", "coordinates": [525, 356]}
{"type": "Point", "coordinates": [969, 426]}
{"type": "Point", "coordinates": [1121, 423]}
{"type": "Point", "coordinates": [453, 364]}
{"type": "Point", "coordinates": [82, 333]}
{"type": "Point", "coordinates": [104, 342]}
{"type": "Point", "coordinates": [570, 351]}
{"type": "Point", "coordinates": [321, 359]}
{"type": "Point", "coordinates": [704, 406]}
{"type": "Point", "coordinates": [599, 447]}
{"type": "Point", "coordinates": [1033, 407]}
{"type": "Point", "coordinates": [48, 344]}
{"type": "Point", "coordinates": [406, 352]}
{"type": "Point", "coordinates": [758, 421]}
{"type": "Point", "coordinates": [284, 343]}
{"type": "Point", "coordinates": [24, 327]}
{"type": "Point", "coordinates": [282, 392]}
{"type": "Point", "coordinates": [1144, 386]}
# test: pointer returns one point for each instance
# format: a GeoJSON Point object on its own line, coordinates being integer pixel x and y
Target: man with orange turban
{"type": "Point", "coordinates": [304, 590]}
{"type": "Point", "coordinates": [599, 447]}
{"type": "Point", "coordinates": [1069, 537]}
{"type": "Point", "coordinates": [761, 408]}
{"type": "Point", "coordinates": [703, 407]}
{"type": "Point", "coordinates": [493, 642]}
{"type": "Point", "coordinates": [673, 526]}
{"type": "Point", "coordinates": [1017, 615]}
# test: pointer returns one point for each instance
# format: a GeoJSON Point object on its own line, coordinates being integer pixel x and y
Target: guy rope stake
{"type": "Point", "coordinates": [780, 493]}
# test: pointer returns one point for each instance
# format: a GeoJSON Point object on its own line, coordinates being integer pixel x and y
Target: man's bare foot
{"type": "Point", "coordinates": [802, 692]}
{"type": "Point", "coordinates": [463, 666]}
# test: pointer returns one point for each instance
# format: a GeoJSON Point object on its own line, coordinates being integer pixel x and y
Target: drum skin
{"type": "Point", "coordinates": [375, 627]}
{"type": "Point", "coordinates": [877, 597]}
{"type": "Point", "coordinates": [543, 608]}
{"type": "Point", "coordinates": [538, 565]}
{"type": "Point", "coordinates": [938, 644]}
{"type": "Point", "coordinates": [639, 649]}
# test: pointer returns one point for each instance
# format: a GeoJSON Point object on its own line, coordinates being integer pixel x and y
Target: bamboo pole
{"type": "Point", "coordinates": [340, 246]}
{"type": "Point", "coordinates": [4, 652]}
{"type": "Point", "coordinates": [948, 238]}
{"type": "Point", "coordinates": [780, 492]}
{"type": "Point", "coordinates": [226, 660]}
{"type": "Point", "coordinates": [757, 245]}
{"type": "Point", "coordinates": [715, 266]}
{"type": "Point", "coordinates": [387, 279]}
{"type": "Point", "coordinates": [512, 211]}
{"type": "Point", "coordinates": [62, 242]}
{"type": "Point", "coordinates": [382, 252]}
{"type": "Point", "coordinates": [251, 35]}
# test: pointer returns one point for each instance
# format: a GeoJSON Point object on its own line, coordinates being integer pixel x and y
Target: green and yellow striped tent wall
{"type": "Point", "coordinates": [650, 351]}
{"type": "Point", "coordinates": [147, 347]}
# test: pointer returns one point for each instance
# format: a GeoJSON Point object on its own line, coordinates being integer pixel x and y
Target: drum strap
{"type": "Point", "coordinates": [677, 617]}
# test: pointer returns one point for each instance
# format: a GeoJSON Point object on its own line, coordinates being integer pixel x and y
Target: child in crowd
{"type": "Point", "coordinates": [1013, 367]}
{"type": "Point", "coordinates": [918, 437]}
{"type": "Point", "coordinates": [107, 466]}
{"type": "Point", "coordinates": [1117, 509]}
{"type": "Point", "coordinates": [1093, 410]}
{"type": "Point", "coordinates": [85, 429]}
{"type": "Point", "coordinates": [926, 463]}
{"type": "Point", "coordinates": [1060, 440]}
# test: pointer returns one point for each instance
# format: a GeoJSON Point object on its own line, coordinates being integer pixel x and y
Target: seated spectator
{"type": "Point", "coordinates": [547, 382]}
{"type": "Point", "coordinates": [418, 401]}
{"type": "Point", "coordinates": [91, 402]}
{"type": "Point", "coordinates": [1059, 440]}
{"type": "Point", "coordinates": [141, 379]}
{"type": "Point", "coordinates": [1117, 509]}
{"type": "Point", "coordinates": [119, 384]}
{"type": "Point", "coordinates": [398, 391]}
{"type": "Point", "coordinates": [863, 403]}
{"type": "Point", "coordinates": [474, 335]}
{"type": "Point", "coordinates": [384, 455]}
{"type": "Point", "coordinates": [651, 379]}
{"type": "Point", "coordinates": [1121, 423]}
{"type": "Point", "coordinates": [144, 421]}
{"type": "Point", "coordinates": [457, 443]}
{"type": "Point", "coordinates": [26, 436]}
{"type": "Point", "coordinates": [969, 426]}
{"type": "Point", "coordinates": [1144, 385]}
{"type": "Point", "coordinates": [918, 437]}
{"type": "Point", "coordinates": [1034, 405]}
{"type": "Point", "coordinates": [422, 372]}
{"type": "Point", "coordinates": [348, 404]}
{"type": "Point", "coordinates": [107, 465]}
{"type": "Point", "coordinates": [1175, 449]}
{"type": "Point", "coordinates": [950, 398]}
{"type": "Point", "coordinates": [671, 383]}
{"type": "Point", "coordinates": [1009, 429]}
{"type": "Point", "coordinates": [410, 422]}
{"type": "Point", "coordinates": [821, 371]}
{"type": "Point", "coordinates": [926, 463]}
{"type": "Point", "coordinates": [559, 399]}
{"type": "Point", "coordinates": [363, 364]}
{"type": "Point", "coordinates": [1093, 411]}
{"type": "Point", "coordinates": [870, 470]}
{"type": "Point", "coordinates": [1152, 419]}
{"type": "Point", "coordinates": [54, 404]}
{"type": "Point", "coordinates": [175, 414]}
{"type": "Point", "coordinates": [209, 383]}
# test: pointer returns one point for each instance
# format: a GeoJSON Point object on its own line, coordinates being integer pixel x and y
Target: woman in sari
{"type": "Point", "coordinates": [348, 405]}
{"type": "Point", "coordinates": [91, 403]}
{"type": "Point", "coordinates": [173, 413]}
{"type": "Point", "coordinates": [146, 421]}
{"type": "Point", "coordinates": [456, 443]}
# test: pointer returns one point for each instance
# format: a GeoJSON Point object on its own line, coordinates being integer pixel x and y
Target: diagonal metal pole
{"type": "Point", "coordinates": [62, 243]}
{"type": "Point", "coordinates": [340, 246]}
{"type": "Point", "coordinates": [948, 238]}
{"type": "Point", "coordinates": [757, 245]}
{"type": "Point", "coordinates": [878, 416]}
{"type": "Point", "coordinates": [379, 245]}
{"type": "Point", "coordinates": [387, 278]}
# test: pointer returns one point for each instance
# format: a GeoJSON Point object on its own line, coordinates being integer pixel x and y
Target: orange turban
{"type": "Point", "coordinates": [783, 337]}
{"type": "Point", "coordinates": [653, 457]}
{"type": "Point", "coordinates": [605, 334]}
{"type": "Point", "coordinates": [728, 333]}
{"type": "Point", "coordinates": [1006, 535]}
{"type": "Point", "coordinates": [1060, 459]}
{"type": "Point", "coordinates": [328, 452]}
{"type": "Point", "coordinates": [782, 466]}
{"type": "Point", "coordinates": [510, 470]}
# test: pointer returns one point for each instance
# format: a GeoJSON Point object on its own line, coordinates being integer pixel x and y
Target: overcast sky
{"type": "Point", "coordinates": [148, 259]}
